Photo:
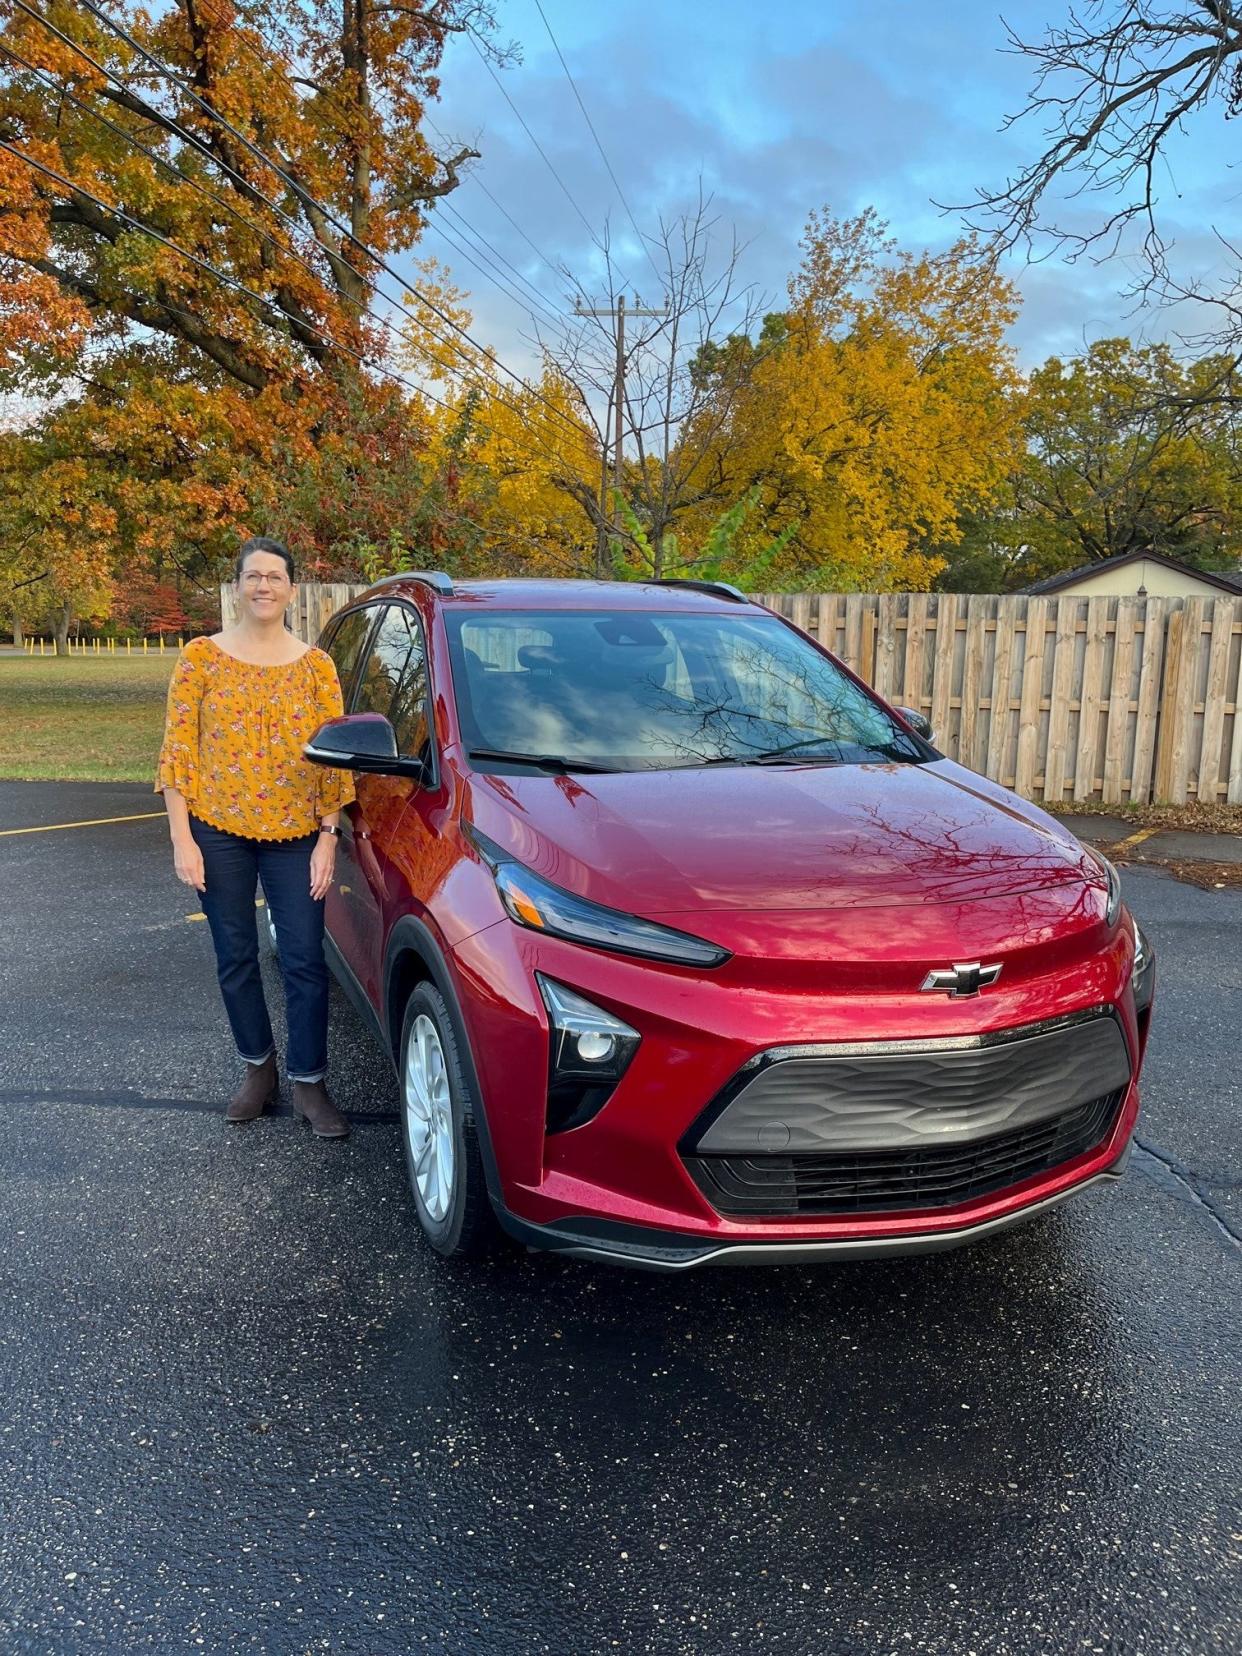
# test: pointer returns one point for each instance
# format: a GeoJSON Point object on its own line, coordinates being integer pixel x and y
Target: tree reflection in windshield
{"type": "Point", "coordinates": [632, 690]}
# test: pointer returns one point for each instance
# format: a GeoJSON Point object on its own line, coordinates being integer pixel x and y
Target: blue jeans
{"type": "Point", "coordinates": [232, 866]}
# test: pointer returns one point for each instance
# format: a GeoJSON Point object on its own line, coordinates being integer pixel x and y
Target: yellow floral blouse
{"type": "Point", "coordinates": [233, 742]}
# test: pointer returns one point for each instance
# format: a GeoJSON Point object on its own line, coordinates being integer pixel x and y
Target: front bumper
{"type": "Point", "coordinates": [621, 1186]}
{"type": "Point", "coordinates": [615, 1244]}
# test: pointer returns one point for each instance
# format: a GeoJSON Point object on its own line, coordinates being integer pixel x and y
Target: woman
{"type": "Point", "coordinates": [243, 806]}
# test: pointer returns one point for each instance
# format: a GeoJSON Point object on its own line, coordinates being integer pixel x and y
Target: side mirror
{"type": "Point", "coordinates": [918, 723]}
{"type": "Point", "coordinates": [361, 742]}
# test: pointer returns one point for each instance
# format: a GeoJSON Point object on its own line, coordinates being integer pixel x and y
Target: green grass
{"type": "Point", "coordinates": [82, 718]}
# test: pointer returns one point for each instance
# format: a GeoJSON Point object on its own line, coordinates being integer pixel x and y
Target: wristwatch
{"type": "Point", "coordinates": [328, 828]}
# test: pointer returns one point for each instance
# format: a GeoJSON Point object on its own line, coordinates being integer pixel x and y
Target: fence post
{"type": "Point", "coordinates": [1233, 794]}
{"type": "Point", "coordinates": [1030, 696]}
{"type": "Point", "coordinates": [944, 659]}
{"type": "Point", "coordinates": [1168, 731]}
{"type": "Point", "coordinates": [1215, 695]}
{"type": "Point", "coordinates": [1064, 651]}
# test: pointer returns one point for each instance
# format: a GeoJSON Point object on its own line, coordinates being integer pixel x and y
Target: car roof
{"type": "Point", "coordinates": [565, 595]}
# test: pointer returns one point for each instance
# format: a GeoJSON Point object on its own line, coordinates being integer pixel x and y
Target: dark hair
{"type": "Point", "coordinates": [263, 543]}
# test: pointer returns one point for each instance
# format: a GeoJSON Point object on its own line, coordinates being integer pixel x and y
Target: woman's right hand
{"type": "Point", "coordinates": [188, 862]}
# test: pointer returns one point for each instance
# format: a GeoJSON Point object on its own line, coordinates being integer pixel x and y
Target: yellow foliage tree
{"type": "Point", "coordinates": [520, 456]}
{"type": "Point", "coordinates": [873, 413]}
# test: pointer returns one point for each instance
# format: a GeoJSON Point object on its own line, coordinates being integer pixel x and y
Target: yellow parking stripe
{"type": "Point", "coordinates": [1137, 839]}
{"type": "Point", "coordinates": [95, 822]}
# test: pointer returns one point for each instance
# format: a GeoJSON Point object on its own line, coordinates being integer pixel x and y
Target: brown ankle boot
{"type": "Point", "coordinates": [311, 1103]}
{"type": "Point", "coordinates": [260, 1088]}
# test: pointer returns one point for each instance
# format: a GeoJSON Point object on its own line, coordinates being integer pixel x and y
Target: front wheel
{"type": "Point", "coordinates": [438, 1114]}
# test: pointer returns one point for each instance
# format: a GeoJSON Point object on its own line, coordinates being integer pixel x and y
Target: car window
{"type": "Point", "coordinates": [344, 645]}
{"type": "Point", "coordinates": [394, 679]}
{"type": "Point", "coordinates": [634, 689]}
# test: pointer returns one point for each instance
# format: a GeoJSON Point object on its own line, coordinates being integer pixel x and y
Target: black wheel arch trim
{"type": "Point", "coordinates": [411, 935]}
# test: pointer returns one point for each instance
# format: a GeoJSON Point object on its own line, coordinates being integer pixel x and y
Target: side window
{"type": "Point", "coordinates": [394, 679]}
{"type": "Point", "coordinates": [345, 645]}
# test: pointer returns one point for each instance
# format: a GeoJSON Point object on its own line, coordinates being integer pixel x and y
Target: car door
{"type": "Point", "coordinates": [392, 680]}
{"type": "Point", "coordinates": [345, 639]}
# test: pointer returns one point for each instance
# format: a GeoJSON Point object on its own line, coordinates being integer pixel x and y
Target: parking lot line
{"type": "Point", "coordinates": [94, 822]}
{"type": "Point", "coordinates": [1139, 837]}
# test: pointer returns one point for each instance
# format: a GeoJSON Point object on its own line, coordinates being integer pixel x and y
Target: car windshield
{"type": "Point", "coordinates": [633, 690]}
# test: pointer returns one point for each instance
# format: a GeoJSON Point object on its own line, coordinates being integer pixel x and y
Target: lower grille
{"type": "Point", "coordinates": [887, 1181]}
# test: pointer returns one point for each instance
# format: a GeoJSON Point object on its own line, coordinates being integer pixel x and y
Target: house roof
{"type": "Point", "coordinates": [1224, 580]}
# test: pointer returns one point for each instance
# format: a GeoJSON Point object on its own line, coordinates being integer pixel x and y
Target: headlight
{"type": "Point", "coordinates": [535, 902]}
{"type": "Point", "coordinates": [1112, 910]}
{"type": "Point", "coordinates": [589, 1050]}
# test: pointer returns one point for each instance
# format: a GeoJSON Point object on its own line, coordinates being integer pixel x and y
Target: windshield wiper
{"type": "Point", "coordinates": [791, 754]}
{"type": "Point", "coordinates": [787, 755]}
{"type": "Point", "coordinates": [541, 761]}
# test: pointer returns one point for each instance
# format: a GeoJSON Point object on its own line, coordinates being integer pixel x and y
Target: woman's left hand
{"type": "Point", "coordinates": [322, 866]}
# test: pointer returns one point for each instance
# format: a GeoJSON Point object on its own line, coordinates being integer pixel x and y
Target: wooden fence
{"type": "Point", "coordinates": [1060, 699]}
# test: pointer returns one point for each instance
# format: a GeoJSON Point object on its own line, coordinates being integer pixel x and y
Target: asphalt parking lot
{"type": "Point", "coordinates": [246, 1410]}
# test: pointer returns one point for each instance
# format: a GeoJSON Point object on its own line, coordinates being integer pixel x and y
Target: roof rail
{"type": "Point", "coordinates": [436, 579]}
{"type": "Point", "coordinates": [719, 589]}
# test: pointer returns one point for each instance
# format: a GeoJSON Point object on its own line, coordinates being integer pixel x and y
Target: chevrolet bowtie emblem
{"type": "Point", "coordinates": [959, 981]}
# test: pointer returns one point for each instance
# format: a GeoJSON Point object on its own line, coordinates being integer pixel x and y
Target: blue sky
{"type": "Point", "coordinates": [779, 109]}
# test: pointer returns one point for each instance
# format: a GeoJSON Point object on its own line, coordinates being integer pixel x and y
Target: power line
{"type": "Point", "coordinates": [230, 281]}
{"type": "Point", "coordinates": [565, 190]}
{"type": "Point", "coordinates": [505, 213]}
{"type": "Point", "coordinates": [556, 320]}
{"type": "Point", "coordinates": [586, 116]}
{"type": "Point", "coordinates": [466, 227]}
{"type": "Point", "coordinates": [203, 149]}
{"type": "Point", "coordinates": [180, 178]}
{"type": "Point", "coordinates": [442, 205]}
{"type": "Point", "coordinates": [497, 280]}
{"type": "Point", "coordinates": [309, 201]}
{"type": "Point", "coordinates": [210, 195]}
{"type": "Point", "coordinates": [274, 318]}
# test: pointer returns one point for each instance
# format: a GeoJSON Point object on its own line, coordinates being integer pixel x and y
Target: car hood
{"type": "Point", "coordinates": [805, 837]}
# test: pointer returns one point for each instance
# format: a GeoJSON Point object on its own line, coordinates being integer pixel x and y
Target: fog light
{"type": "Point", "coordinates": [589, 1050]}
{"type": "Point", "coordinates": [595, 1048]}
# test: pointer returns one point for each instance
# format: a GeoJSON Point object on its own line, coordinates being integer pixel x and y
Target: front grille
{"type": "Point", "coordinates": [887, 1181]}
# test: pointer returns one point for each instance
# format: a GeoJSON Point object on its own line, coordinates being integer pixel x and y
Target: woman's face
{"type": "Point", "coordinates": [264, 587]}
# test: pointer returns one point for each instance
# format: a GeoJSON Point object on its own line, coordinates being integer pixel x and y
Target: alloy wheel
{"type": "Point", "coordinates": [429, 1118]}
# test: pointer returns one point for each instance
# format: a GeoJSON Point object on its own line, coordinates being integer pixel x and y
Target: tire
{"type": "Point", "coordinates": [438, 1113]}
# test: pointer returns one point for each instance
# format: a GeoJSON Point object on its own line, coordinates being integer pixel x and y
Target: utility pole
{"type": "Point", "coordinates": [617, 314]}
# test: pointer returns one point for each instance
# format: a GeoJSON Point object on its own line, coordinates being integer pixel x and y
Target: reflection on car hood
{"type": "Point", "coordinates": [810, 837]}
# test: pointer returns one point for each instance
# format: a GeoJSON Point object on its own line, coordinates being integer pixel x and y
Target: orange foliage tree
{"type": "Point", "coordinates": [190, 214]}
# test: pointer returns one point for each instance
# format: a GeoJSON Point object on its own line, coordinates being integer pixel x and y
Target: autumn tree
{"type": "Point", "coordinates": [871, 414]}
{"type": "Point", "coordinates": [193, 207]}
{"type": "Point", "coordinates": [1120, 454]}
{"type": "Point", "coordinates": [56, 529]}
{"type": "Point", "coordinates": [546, 445]}
{"type": "Point", "coordinates": [830, 442]}
{"type": "Point", "coordinates": [518, 459]}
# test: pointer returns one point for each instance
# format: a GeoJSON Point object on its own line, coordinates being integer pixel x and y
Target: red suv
{"type": "Point", "coordinates": [689, 949]}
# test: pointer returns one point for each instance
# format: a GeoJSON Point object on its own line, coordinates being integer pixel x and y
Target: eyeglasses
{"type": "Point", "coordinates": [265, 580]}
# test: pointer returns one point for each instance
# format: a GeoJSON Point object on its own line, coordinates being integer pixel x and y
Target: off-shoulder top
{"type": "Point", "coordinates": [233, 740]}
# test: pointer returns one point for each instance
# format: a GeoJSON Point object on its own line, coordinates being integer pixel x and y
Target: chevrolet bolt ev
{"type": "Point", "coordinates": [688, 949]}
